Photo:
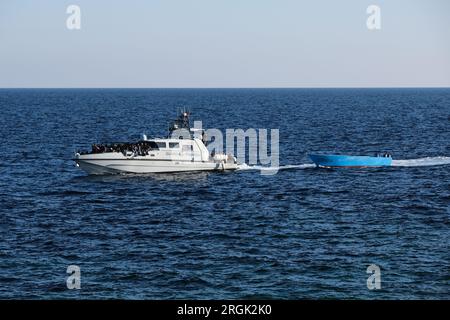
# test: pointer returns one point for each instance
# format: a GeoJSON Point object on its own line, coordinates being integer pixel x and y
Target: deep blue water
{"type": "Point", "coordinates": [302, 233]}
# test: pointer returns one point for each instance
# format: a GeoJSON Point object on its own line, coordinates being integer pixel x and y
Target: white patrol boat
{"type": "Point", "coordinates": [180, 152]}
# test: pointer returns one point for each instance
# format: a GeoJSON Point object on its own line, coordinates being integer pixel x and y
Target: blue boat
{"type": "Point", "coordinates": [335, 160]}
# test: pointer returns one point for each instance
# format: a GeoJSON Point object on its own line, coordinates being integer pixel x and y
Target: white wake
{"type": "Point", "coordinates": [422, 162]}
{"type": "Point", "coordinates": [245, 166]}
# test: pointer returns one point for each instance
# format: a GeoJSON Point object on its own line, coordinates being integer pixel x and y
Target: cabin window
{"type": "Point", "coordinates": [173, 145]}
{"type": "Point", "coordinates": [161, 145]}
{"type": "Point", "coordinates": [150, 144]}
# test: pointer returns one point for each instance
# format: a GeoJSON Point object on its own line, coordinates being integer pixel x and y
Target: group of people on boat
{"type": "Point", "coordinates": [137, 149]}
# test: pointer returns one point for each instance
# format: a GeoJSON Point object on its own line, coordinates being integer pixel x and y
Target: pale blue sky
{"type": "Point", "coordinates": [224, 43]}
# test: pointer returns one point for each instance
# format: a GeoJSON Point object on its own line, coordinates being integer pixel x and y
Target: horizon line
{"type": "Point", "coordinates": [325, 87]}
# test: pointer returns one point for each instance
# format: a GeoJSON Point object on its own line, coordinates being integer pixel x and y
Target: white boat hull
{"type": "Point", "coordinates": [114, 166]}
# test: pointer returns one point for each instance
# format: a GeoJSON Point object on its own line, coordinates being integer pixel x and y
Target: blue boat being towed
{"type": "Point", "coordinates": [335, 160]}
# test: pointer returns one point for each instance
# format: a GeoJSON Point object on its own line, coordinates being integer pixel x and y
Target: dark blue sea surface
{"type": "Point", "coordinates": [301, 233]}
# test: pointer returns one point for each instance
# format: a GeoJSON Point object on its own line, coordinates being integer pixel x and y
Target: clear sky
{"type": "Point", "coordinates": [224, 43]}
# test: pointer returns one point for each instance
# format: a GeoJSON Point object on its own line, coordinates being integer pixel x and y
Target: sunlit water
{"type": "Point", "coordinates": [302, 232]}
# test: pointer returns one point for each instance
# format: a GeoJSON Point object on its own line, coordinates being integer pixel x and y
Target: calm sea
{"type": "Point", "coordinates": [301, 233]}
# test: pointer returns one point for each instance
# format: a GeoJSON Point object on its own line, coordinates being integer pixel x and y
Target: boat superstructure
{"type": "Point", "coordinates": [181, 151]}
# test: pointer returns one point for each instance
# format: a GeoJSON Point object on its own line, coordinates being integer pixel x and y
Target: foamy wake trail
{"type": "Point", "coordinates": [245, 166]}
{"type": "Point", "coordinates": [422, 162]}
